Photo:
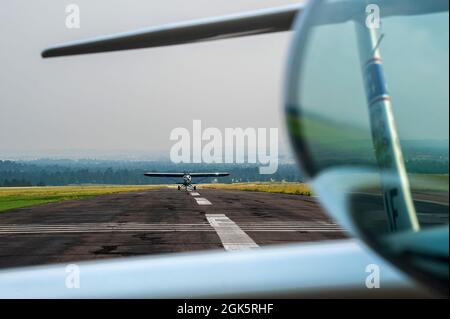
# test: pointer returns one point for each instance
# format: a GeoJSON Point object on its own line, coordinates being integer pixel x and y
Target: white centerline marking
{"type": "Point", "coordinates": [231, 236]}
{"type": "Point", "coordinates": [195, 194]}
{"type": "Point", "coordinates": [202, 201]}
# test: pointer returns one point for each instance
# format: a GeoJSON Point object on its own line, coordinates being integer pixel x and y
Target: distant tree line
{"type": "Point", "coordinates": [69, 172]}
{"type": "Point", "coordinates": [16, 183]}
{"type": "Point", "coordinates": [73, 172]}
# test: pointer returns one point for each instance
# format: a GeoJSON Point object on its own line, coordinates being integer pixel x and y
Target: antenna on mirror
{"type": "Point", "coordinates": [377, 45]}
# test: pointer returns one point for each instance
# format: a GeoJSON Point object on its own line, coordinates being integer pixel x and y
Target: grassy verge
{"type": "Point", "coordinates": [284, 188]}
{"type": "Point", "coordinates": [17, 197]}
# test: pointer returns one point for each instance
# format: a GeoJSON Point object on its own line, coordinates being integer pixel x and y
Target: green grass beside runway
{"type": "Point", "coordinates": [268, 187]}
{"type": "Point", "coordinates": [17, 197]}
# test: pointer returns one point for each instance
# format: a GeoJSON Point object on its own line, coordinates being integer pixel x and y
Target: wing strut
{"type": "Point", "coordinates": [394, 180]}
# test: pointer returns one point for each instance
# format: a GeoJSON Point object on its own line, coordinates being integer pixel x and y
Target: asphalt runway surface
{"type": "Point", "coordinates": [156, 222]}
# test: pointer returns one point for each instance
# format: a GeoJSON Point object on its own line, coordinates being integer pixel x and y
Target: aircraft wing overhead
{"type": "Point", "coordinates": [235, 25]}
{"type": "Point", "coordinates": [229, 26]}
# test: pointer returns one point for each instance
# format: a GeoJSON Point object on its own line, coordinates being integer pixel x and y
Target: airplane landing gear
{"type": "Point", "coordinates": [179, 187]}
{"type": "Point", "coordinates": [195, 188]}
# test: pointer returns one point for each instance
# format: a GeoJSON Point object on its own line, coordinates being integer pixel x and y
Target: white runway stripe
{"type": "Point", "coordinates": [195, 194]}
{"type": "Point", "coordinates": [166, 227]}
{"type": "Point", "coordinates": [231, 236]}
{"type": "Point", "coordinates": [202, 201]}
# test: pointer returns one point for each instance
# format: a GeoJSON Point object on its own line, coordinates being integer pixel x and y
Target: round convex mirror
{"type": "Point", "coordinates": [367, 109]}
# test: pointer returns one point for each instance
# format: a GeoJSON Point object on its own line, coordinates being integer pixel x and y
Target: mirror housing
{"type": "Point", "coordinates": [356, 138]}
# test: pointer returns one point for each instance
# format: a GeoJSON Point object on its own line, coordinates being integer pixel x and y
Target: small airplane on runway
{"type": "Point", "coordinates": [187, 177]}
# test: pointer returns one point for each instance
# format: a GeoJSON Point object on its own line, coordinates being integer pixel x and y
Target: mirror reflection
{"type": "Point", "coordinates": [376, 98]}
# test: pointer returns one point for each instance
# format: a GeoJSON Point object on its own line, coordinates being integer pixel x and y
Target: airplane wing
{"type": "Point", "coordinates": [236, 25]}
{"type": "Point", "coordinates": [151, 174]}
{"type": "Point", "coordinates": [218, 174]}
{"type": "Point", "coordinates": [229, 26]}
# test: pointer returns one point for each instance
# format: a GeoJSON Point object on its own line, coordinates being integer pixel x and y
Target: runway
{"type": "Point", "coordinates": [158, 221]}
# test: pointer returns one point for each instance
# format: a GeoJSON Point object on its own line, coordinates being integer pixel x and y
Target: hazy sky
{"type": "Point", "coordinates": [130, 100]}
